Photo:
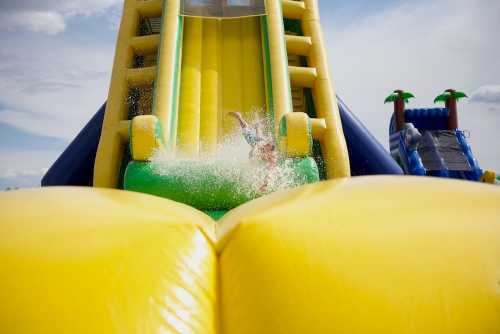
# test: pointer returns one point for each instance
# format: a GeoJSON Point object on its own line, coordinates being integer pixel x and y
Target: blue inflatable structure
{"type": "Point", "coordinates": [427, 147]}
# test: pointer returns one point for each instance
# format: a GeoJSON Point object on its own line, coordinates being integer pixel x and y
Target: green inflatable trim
{"type": "Point", "coordinates": [216, 215]}
{"type": "Point", "coordinates": [216, 185]}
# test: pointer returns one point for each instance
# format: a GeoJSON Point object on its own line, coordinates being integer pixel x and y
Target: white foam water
{"type": "Point", "coordinates": [232, 162]}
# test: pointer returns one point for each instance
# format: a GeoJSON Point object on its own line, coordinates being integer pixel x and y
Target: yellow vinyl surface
{"type": "Point", "coordinates": [211, 79]}
{"type": "Point", "coordinates": [364, 255]}
{"type": "Point", "coordinates": [298, 136]}
{"type": "Point", "coordinates": [110, 150]}
{"type": "Point", "coordinates": [144, 139]}
{"type": "Point", "coordinates": [371, 255]}
{"type": "Point", "coordinates": [104, 261]}
{"type": "Point", "coordinates": [222, 71]}
{"type": "Point", "coordinates": [188, 132]}
{"type": "Point", "coordinates": [333, 143]}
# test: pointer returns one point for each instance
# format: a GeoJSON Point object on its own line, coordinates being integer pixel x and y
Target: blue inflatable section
{"type": "Point", "coordinates": [366, 154]}
{"type": "Point", "coordinates": [430, 119]}
{"type": "Point", "coordinates": [75, 166]}
{"type": "Point", "coordinates": [442, 158]}
{"type": "Point", "coordinates": [476, 172]}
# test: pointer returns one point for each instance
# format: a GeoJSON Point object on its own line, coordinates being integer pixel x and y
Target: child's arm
{"type": "Point", "coordinates": [240, 119]}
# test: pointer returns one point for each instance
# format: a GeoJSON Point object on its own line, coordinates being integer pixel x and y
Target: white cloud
{"type": "Point", "coordinates": [53, 93]}
{"type": "Point", "coordinates": [487, 94]}
{"type": "Point", "coordinates": [87, 7]}
{"type": "Point", "coordinates": [47, 22]}
{"type": "Point", "coordinates": [25, 168]}
{"type": "Point", "coordinates": [48, 16]}
{"type": "Point", "coordinates": [114, 16]}
{"type": "Point", "coordinates": [424, 47]}
{"type": "Point", "coordinates": [70, 7]}
{"type": "Point", "coordinates": [12, 173]}
{"type": "Point", "coordinates": [49, 86]}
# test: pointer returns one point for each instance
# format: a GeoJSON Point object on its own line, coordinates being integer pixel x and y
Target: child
{"type": "Point", "coordinates": [262, 148]}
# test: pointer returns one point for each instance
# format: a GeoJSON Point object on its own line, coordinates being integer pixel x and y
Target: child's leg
{"type": "Point", "coordinates": [265, 185]}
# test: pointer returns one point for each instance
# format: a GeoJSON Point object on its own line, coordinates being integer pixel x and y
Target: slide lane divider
{"type": "Point", "coordinates": [282, 96]}
{"type": "Point", "coordinates": [166, 92]}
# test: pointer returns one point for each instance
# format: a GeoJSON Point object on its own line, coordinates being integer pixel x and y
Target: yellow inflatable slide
{"type": "Point", "coordinates": [174, 237]}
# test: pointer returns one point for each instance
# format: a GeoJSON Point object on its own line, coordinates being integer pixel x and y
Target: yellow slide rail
{"type": "Point", "coordinates": [280, 81]}
{"type": "Point", "coordinates": [125, 76]}
{"type": "Point", "coordinates": [333, 142]}
{"type": "Point", "coordinates": [328, 127]}
{"type": "Point", "coordinates": [166, 96]}
{"type": "Point", "coordinates": [188, 138]}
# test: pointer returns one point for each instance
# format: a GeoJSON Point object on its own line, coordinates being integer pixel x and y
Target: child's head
{"type": "Point", "coordinates": [267, 152]}
{"type": "Point", "coordinates": [269, 146]}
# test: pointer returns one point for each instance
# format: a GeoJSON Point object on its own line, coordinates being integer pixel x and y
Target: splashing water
{"type": "Point", "coordinates": [230, 171]}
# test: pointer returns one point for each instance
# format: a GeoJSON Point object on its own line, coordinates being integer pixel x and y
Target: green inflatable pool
{"type": "Point", "coordinates": [214, 184]}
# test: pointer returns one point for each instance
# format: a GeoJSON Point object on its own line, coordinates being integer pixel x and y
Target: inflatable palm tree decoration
{"type": "Point", "coordinates": [399, 98]}
{"type": "Point", "coordinates": [450, 97]}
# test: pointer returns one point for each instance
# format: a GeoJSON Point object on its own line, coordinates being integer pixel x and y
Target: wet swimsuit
{"type": "Point", "coordinates": [251, 136]}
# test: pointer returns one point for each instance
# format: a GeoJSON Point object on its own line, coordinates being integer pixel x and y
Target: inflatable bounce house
{"type": "Point", "coordinates": [224, 188]}
{"type": "Point", "coordinates": [428, 141]}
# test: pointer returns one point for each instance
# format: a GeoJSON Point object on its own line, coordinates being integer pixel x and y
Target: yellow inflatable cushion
{"type": "Point", "coordinates": [104, 261]}
{"type": "Point", "coordinates": [146, 137]}
{"type": "Point", "coordinates": [489, 177]}
{"type": "Point", "coordinates": [364, 255]}
{"type": "Point", "coordinates": [297, 136]}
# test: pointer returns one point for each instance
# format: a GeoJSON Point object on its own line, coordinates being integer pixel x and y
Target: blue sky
{"type": "Point", "coordinates": [57, 57]}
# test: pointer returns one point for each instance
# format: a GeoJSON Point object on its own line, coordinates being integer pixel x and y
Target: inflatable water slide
{"type": "Point", "coordinates": [429, 142]}
{"type": "Point", "coordinates": [159, 218]}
